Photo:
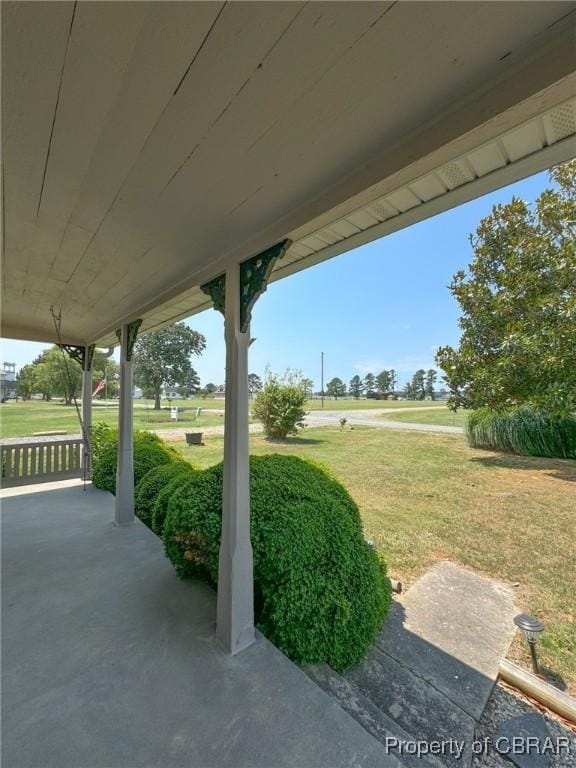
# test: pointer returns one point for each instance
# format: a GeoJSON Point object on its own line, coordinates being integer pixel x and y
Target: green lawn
{"type": "Point", "coordinates": [350, 405]}
{"type": "Point", "coordinates": [209, 403]}
{"type": "Point", "coordinates": [21, 419]}
{"type": "Point", "coordinates": [439, 415]}
{"type": "Point", "coordinates": [425, 497]}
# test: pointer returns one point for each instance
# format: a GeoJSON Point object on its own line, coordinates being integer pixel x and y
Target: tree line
{"type": "Point", "coordinates": [54, 374]}
{"type": "Point", "coordinates": [161, 359]}
{"type": "Point", "coordinates": [384, 385]}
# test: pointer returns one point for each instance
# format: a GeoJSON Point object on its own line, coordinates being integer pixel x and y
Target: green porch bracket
{"type": "Point", "coordinates": [82, 355]}
{"type": "Point", "coordinates": [254, 275]}
{"type": "Point", "coordinates": [133, 328]}
{"type": "Point", "coordinates": [216, 289]}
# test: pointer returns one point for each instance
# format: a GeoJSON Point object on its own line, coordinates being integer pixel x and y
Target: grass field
{"type": "Point", "coordinates": [352, 405]}
{"type": "Point", "coordinates": [22, 419]}
{"type": "Point", "coordinates": [439, 415]}
{"type": "Point", "coordinates": [425, 497]}
{"type": "Point", "coordinates": [208, 403]}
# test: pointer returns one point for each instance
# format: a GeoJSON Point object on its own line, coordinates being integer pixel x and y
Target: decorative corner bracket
{"type": "Point", "coordinates": [254, 275]}
{"type": "Point", "coordinates": [82, 355]}
{"type": "Point", "coordinates": [133, 328]}
{"type": "Point", "coordinates": [216, 289]}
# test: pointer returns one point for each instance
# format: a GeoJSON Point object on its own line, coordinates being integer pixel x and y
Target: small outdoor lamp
{"type": "Point", "coordinates": [531, 628]}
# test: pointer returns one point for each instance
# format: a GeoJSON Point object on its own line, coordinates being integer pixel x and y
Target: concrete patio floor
{"type": "Point", "coordinates": [110, 661]}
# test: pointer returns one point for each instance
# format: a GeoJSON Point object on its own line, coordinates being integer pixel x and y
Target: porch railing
{"type": "Point", "coordinates": [41, 462]}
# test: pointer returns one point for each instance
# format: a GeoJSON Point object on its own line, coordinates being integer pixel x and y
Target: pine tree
{"type": "Point", "coordinates": [356, 387]}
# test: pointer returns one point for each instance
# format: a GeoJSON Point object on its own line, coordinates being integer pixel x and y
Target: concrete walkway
{"type": "Point", "coordinates": [433, 666]}
{"type": "Point", "coordinates": [110, 661]}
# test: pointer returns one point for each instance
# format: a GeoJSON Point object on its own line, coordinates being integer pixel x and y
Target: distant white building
{"type": "Point", "coordinates": [137, 393]}
{"type": "Point", "coordinates": [7, 381]}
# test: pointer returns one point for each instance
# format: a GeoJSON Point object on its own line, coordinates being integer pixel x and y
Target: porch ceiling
{"type": "Point", "coordinates": [147, 145]}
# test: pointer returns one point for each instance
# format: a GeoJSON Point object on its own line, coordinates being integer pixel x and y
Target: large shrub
{"type": "Point", "coordinates": [101, 436]}
{"type": "Point", "coordinates": [523, 430]}
{"type": "Point", "coordinates": [153, 483]}
{"type": "Point", "coordinates": [280, 406]}
{"type": "Point", "coordinates": [321, 593]}
{"type": "Point", "coordinates": [149, 452]}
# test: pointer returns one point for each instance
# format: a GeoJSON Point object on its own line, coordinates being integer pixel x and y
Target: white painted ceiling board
{"type": "Point", "coordinates": [342, 88]}
{"type": "Point", "coordinates": [34, 40]}
{"type": "Point", "coordinates": [321, 33]}
{"type": "Point", "coordinates": [101, 44]}
{"type": "Point", "coordinates": [211, 83]}
{"type": "Point", "coordinates": [175, 34]}
{"type": "Point", "coordinates": [178, 210]}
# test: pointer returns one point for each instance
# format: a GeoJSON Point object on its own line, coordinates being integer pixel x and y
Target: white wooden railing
{"type": "Point", "coordinates": [41, 462]}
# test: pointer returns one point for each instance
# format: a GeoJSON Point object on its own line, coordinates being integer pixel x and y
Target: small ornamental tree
{"type": "Point", "coordinates": [280, 406]}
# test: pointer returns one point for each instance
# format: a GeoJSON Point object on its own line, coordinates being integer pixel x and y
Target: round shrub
{"type": "Point", "coordinates": [153, 483]}
{"type": "Point", "coordinates": [160, 506]}
{"type": "Point", "coordinates": [321, 593]}
{"type": "Point", "coordinates": [523, 430]}
{"type": "Point", "coordinates": [149, 452]}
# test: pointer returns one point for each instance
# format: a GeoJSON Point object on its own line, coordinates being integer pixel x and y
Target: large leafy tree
{"type": "Point", "coordinates": [25, 382]}
{"type": "Point", "coordinates": [336, 388]}
{"type": "Point", "coordinates": [163, 358]}
{"type": "Point", "coordinates": [518, 303]}
{"type": "Point", "coordinates": [55, 374]}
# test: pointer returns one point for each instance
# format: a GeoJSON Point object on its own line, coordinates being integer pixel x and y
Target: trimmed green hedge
{"type": "Point", "coordinates": [160, 508]}
{"type": "Point", "coordinates": [153, 483]}
{"type": "Point", "coordinates": [149, 452]}
{"type": "Point", "coordinates": [321, 593]}
{"type": "Point", "coordinates": [523, 430]}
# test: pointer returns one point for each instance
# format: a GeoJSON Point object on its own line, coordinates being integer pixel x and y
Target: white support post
{"type": "Point", "coordinates": [124, 501]}
{"type": "Point", "coordinates": [235, 610]}
{"type": "Point", "coordinates": [87, 417]}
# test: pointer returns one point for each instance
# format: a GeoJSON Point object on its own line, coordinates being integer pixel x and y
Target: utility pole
{"type": "Point", "coordinates": [322, 377]}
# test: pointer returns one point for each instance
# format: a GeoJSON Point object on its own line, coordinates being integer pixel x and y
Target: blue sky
{"type": "Point", "coordinates": [383, 305]}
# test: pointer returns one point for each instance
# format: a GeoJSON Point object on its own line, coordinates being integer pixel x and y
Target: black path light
{"type": "Point", "coordinates": [531, 628]}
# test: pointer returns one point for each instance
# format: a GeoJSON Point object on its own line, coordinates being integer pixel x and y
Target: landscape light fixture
{"type": "Point", "coordinates": [530, 627]}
